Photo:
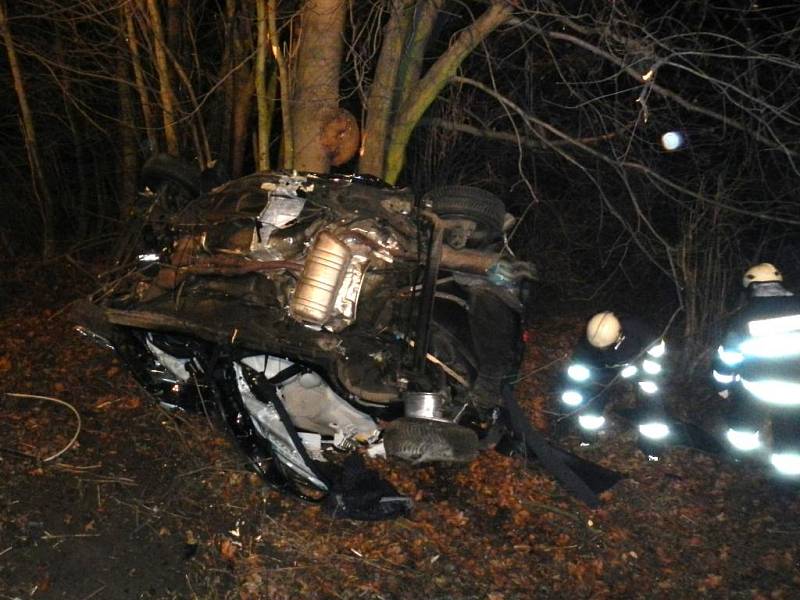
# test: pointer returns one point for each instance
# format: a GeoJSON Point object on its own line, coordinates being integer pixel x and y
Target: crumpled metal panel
{"type": "Point", "coordinates": [314, 406]}
{"type": "Point", "coordinates": [267, 422]}
{"type": "Point", "coordinates": [282, 208]}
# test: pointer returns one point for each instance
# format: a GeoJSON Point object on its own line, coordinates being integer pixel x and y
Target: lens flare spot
{"type": "Point", "coordinates": [672, 140]}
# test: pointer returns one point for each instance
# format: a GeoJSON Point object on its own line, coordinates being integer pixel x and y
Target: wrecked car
{"type": "Point", "coordinates": [320, 312]}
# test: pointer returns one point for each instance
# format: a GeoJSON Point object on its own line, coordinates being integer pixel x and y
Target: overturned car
{"type": "Point", "coordinates": [317, 312]}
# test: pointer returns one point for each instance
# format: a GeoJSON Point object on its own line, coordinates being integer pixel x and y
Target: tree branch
{"type": "Point", "coordinates": [426, 91]}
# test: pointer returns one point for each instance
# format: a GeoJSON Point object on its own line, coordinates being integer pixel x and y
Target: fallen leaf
{"type": "Point", "coordinates": [227, 549]}
{"type": "Point", "coordinates": [132, 402]}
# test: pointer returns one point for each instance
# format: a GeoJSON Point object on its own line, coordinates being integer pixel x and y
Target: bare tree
{"type": "Point", "coordinates": [40, 184]}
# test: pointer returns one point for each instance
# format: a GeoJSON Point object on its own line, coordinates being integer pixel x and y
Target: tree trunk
{"type": "Point", "coordinates": [264, 112]}
{"type": "Point", "coordinates": [198, 129]}
{"type": "Point", "coordinates": [129, 168]}
{"type": "Point", "coordinates": [45, 204]}
{"type": "Point", "coordinates": [383, 91]}
{"type": "Point", "coordinates": [243, 76]}
{"type": "Point", "coordinates": [241, 120]}
{"type": "Point", "coordinates": [78, 204]}
{"type": "Point", "coordinates": [141, 84]}
{"type": "Point", "coordinates": [425, 17]}
{"type": "Point", "coordinates": [272, 91]}
{"type": "Point", "coordinates": [174, 38]}
{"type": "Point", "coordinates": [422, 95]}
{"type": "Point", "coordinates": [287, 154]}
{"type": "Point", "coordinates": [316, 79]}
{"type": "Point", "coordinates": [410, 56]}
{"type": "Point", "coordinates": [165, 87]}
{"type": "Point", "coordinates": [224, 121]}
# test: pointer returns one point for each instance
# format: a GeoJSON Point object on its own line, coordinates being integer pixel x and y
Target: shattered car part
{"type": "Point", "coordinates": [175, 366]}
{"type": "Point", "coordinates": [268, 423]}
{"type": "Point", "coordinates": [314, 406]}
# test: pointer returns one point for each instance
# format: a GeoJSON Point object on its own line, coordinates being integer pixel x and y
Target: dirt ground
{"type": "Point", "coordinates": [148, 504]}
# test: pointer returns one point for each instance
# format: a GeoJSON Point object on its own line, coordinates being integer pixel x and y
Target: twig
{"type": "Point", "coordinates": [533, 372]}
{"type": "Point", "coordinates": [554, 509]}
{"type": "Point", "coordinates": [118, 480]}
{"type": "Point", "coordinates": [19, 453]}
{"type": "Point", "coordinates": [50, 536]}
{"type": "Point", "coordinates": [78, 469]}
{"type": "Point", "coordinates": [57, 401]}
{"type": "Point", "coordinates": [94, 593]}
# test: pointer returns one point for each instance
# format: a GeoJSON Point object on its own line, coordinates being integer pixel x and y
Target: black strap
{"type": "Point", "coordinates": [286, 374]}
{"type": "Point", "coordinates": [265, 389]}
{"type": "Point", "coordinates": [552, 459]}
{"type": "Point", "coordinates": [357, 492]}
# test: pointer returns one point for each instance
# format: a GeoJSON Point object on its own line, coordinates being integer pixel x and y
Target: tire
{"type": "Point", "coordinates": [174, 184]}
{"type": "Point", "coordinates": [163, 168]}
{"type": "Point", "coordinates": [483, 208]}
{"type": "Point", "coordinates": [421, 440]}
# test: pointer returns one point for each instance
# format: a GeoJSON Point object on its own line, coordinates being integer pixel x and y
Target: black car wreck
{"type": "Point", "coordinates": [318, 312]}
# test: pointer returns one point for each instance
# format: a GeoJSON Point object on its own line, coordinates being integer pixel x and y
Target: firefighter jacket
{"type": "Point", "coordinates": [759, 357]}
{"type": "Point", "coordinates": [636, 357]}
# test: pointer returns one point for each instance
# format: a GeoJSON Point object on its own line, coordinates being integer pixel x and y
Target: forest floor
{"type": "Point", "coordinates": [148, 504]}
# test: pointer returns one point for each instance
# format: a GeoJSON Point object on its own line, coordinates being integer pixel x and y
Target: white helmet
{"type": "Point", "coordinates": [761, 273]}
{"type": "Point", "coordinates": [603, 329]}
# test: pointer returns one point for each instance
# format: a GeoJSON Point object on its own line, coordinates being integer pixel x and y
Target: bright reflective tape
{"type": "Point", "coordinates": [651, 367]}
{"type": "Point", "coordinates": [655, 430]}
{"type": "Point", "coordinates": [774, 326]}
{"type": "Point", "coordinates": [721, 377]}
{"type": "Point", "coordinates": [658, 350]}
{"type": "Point", "coordinates": [578, 372]}
{"type": "Point", "coordinates": [729, 357]}
{"type": "Point", "coordinates": [591, 422]}
{"type": "Point", "coordinates": [774, 391]}
{"type": "Point", "coordinates": [787, 463]}
{"type": "Point", "coordinates": [743, 440]}
{"type": "Point", "coordinates": [648, 387]}
{"type": "Point", "coordinates": [774, 346]}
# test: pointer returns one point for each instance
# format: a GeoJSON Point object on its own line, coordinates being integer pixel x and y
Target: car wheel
{"type": "Point", "coordinates": [421, 440]}
{"type": "Point", "coordinates": [479, 207]}
{"type": "Point", "coordinates": [163, 168]}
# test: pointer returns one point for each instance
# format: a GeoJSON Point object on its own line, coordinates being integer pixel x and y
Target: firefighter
{"type": "Point", "coordinates": [618, 348]}
{"type": "Point", "coordinates": [757, 368]}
